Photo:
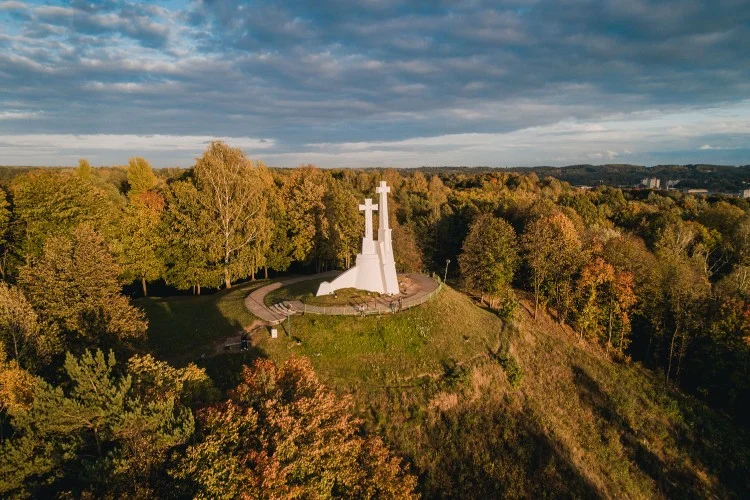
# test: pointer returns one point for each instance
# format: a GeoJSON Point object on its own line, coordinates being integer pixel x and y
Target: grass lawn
{"type": "Point", "coordinates": [306, 290]}
{"type": "Point", "coordinates": [181, 328]}
{"type": "Point", "coordinates": [382, 350]}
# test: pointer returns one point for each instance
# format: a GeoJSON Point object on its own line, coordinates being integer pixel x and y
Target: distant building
{"type": "Point", "coordinates": [697, 191]}
{"type": "Point", "coordinates": [651, 183]}
{"type": "Point", "coordinates": [672, 183]}
{"type": "Point", "coordinates": [745, 193]}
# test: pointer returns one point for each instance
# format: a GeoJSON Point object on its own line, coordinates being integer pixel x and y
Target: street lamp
{"type": "Point", "coordinates": [445, 276]}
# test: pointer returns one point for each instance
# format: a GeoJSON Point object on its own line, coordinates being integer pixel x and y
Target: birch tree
{"type": "Point", "coordinates": [231, 189]}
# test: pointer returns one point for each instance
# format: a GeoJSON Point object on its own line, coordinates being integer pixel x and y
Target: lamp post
{"type": "Point", "coordinates": [445, 276]}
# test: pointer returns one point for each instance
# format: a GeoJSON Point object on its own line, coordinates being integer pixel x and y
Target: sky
{"type": "Point", "coordinates": [365, 83]}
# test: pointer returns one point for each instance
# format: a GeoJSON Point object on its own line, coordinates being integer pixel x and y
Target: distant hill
{"type": "Point", "coordinates": [715, 178]}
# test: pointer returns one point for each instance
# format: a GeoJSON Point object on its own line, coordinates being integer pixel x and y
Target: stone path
{"type": "Point", "coordinates": [415, 289]}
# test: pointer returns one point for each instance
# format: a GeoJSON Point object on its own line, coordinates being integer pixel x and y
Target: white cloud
{"type": "Point", "coordinates": [19, 115]}
{"type": "Point", "coordinates": [49, 146]}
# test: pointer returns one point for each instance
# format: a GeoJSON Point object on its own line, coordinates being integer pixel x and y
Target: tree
{"type": "Point", "coordinates": [141, 176]}
{"type": "Point", "coordinates": [49, 204]}
{"type": "Point", "coordinates": [75, 285]}
{"type": "Point", "coordinates": [5, 226]}
{"type": "Point", "coordinates": [23, 338]}
{"type": "Point", "coordinates": [283, 434]}
{"type": "Point", "coordinates": [84, 169]}
{"type": "Point", "coordinates": [406, 251]}
{"type": "Point", "coordinates": [140, 241]}
{"type": "Point", "coordinates": [344, 224]}
{"type": "Point", "coordinates": [103, 433]}
{"type": "Point", "coordinates": [231, 189]}
{"type": "Point", "coordinates": [305, 190]}
{"type": "Point", "coordinates": [188, 240]}
{"type": "Point", "coordinates": [607, 299]}
{"type": "Point", "coordinates": [553, 253]}
{"type": "Point", "coordinates": [490, 256]}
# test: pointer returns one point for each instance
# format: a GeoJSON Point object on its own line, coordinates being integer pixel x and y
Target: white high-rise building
{"type": "Point", "coordinates": [375, 269]}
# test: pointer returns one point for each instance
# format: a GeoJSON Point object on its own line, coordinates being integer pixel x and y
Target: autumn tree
{"type": "Point", "coordinates": [141, 176]}
{"type": "Point", "coordinates": [83, 171]}
{"type": "Point", "coordinates": [231, 190]}
{"type": "Point", "coordinates": [406, 251]}
{"type": "Point", "coordinates": [490, 256]}
{"type": "Point", "coordinates": [101, 433]}
{"type": "Point", "coordinates": [74, 284]}
{"type": "Point", "coordinates": [140, 239]}
{"type": "Point", "coordinates": [22, 337]}
{"type": "Point", "coordinates": [553, 254]}
{"type": "Point", "coordinates": [607, 298]}
{"type": "Point", "coordinates": [5, 233]}
{"type": "Point", "coordinates": [283, 434]}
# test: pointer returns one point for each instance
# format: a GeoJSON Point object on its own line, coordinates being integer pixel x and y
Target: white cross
{"type": "Point", "coordinates": [368, 207]}
{"type": "Point", "coordinates": [383, 188]}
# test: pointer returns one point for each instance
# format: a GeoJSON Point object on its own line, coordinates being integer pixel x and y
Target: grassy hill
{"type": "Point", "coordinates": [485, 408]}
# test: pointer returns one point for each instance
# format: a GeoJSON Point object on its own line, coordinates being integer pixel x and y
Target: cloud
{"type": "Point", "coordinates": [364, 72]}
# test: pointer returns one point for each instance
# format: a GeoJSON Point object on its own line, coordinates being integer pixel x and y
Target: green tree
{"type": "Point", "coordinates": [283, 434]}
{"type": "Point", "coordinates": [141, 176]}
{"type": "Point", "coordinates": [344, 224]}
{"type": "Point", "coordinates": [104, 433]}
{"type": "Point", "coordinates": [189, 240]}
{"type": "Point", "coordinates": [231, 189]}
{"type": "Point", "coordinates": [490, 256]}
{"type": "Point", "coordinates": [553, 253]}
{"type": "Point", "coordinates": [49, 204]}
{"type": "Point", "coordinates": [139, 245]}
{"type": "Point", "coordinates": [75, 285]}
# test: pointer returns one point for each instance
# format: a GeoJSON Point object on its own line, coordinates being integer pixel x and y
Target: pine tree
{"type": "Point", "coordinates": [101, 433]}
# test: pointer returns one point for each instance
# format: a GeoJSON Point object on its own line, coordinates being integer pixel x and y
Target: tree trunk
{"type": "Point", "coordinates": [265, 271]}
{"type": "Point", "coordinates": [609, 330]}
{"type": "Point", "coordinates": [536, 297]}
{"type": "Point", "coordinates": [198, 288]}
{"type": "Point", "coordinates": [227, 280]}
{"type": "Point", "coordinates": [671, 352]}
{"type": "Point", "coordinates": [143, 286]}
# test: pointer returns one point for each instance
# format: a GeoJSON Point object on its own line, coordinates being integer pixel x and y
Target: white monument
{"type": "Point", "coordinates": [375, 269]}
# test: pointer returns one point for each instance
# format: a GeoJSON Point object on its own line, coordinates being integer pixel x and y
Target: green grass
{"type": "Point", "coordinates": [182, 328]}
{"type": "Point", "coordinates": [306, 290]}
{"type": "Point", "coordinates": [575, 424]}
{"type": "Point", "coordinates": [388, 349]}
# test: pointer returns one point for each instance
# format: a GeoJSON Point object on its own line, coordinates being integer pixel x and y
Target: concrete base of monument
{"type": "Point", "coordinates": [365, 275]}
{"type": "Point", "coordinates": [276, 301]}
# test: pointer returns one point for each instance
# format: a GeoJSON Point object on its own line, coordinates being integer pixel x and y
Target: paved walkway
{"type": "Point", "coordinates": [415, 290]}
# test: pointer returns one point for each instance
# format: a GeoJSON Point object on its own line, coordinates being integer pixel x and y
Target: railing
{"type": "Point", "coordinates": [377, 308]}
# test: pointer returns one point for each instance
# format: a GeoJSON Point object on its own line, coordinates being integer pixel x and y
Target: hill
{"type": "Point", "coordinates": [485, 408]}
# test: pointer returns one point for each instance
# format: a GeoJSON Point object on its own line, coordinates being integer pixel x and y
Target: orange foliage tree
{"type": "Point", "coordinates": [606, 299]}
{"type": "Point", "coordinates": [283, 434]}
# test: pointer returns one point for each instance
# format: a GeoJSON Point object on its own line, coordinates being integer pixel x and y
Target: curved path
{"type": "Point", "coordinates": [415, 290]}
